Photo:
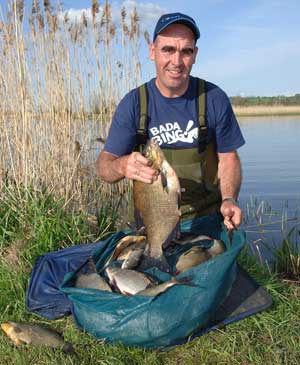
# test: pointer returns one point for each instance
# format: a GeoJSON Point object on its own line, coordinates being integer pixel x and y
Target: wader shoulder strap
{"type": "Point", "coordinates": [142, 131]}
{"type": "Point", "coordinates": [143, 123]}
{"type": "Point", "coordinates": [201, 110]}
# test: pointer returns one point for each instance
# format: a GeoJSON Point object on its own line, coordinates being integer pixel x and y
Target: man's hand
{"type": "Point", "coordinates": [135, 166]}
{"type": "Point", "coordinates": [138, 167]}
{"type": "Point", "coordinates": [232, 214]}
{"type": "Point", "coordinates": [230, 177]}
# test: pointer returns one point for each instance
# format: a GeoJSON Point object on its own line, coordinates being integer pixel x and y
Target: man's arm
{"type": "Point", "coordinates": [230, 178]}
{"type": "Point", "coordinates": [135, 166]}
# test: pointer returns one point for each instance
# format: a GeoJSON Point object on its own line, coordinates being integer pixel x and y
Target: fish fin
{"type": "Point", "coordinates": [185, 281]}
{"type": "Point", "coordinates": [164, 181]}
{"type": "Point", "coordinates": [179, 203]}
{"type": "Point", "coordinates": [141, 230]}
{"type": "Point", "coordinates": [18, 342]}
{"type": "Point", "coordinates": [91, 264]}
{"type": "Point", "coordinates": [68, 349]}
{"type": "Point", "coordinates": [151, 262]}
{"type": "Point", "coordinates": [17, 330]}
{"type": "Point", "coordinates": [171, 236]}
{"type": "Point", "coordinates": [126, 293]}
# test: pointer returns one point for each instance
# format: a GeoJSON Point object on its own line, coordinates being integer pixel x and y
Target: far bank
{"type": "Point", "coordinates": [256, 110]}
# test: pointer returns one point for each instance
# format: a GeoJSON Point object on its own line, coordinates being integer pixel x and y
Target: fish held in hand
{"type": "Point", "coordinates": [158, 203]}
{"type": "Point", "coordinates": [193, 257]}
{"type": "Point", "coordinates": [128, 282]}
{"type": "Point", "coordinates": [34, 334]}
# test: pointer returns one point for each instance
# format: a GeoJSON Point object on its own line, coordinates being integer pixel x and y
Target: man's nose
{"type": "Point", "coordinates": [177, 58]}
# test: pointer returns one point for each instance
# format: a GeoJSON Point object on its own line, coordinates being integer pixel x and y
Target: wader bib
{"type": "Point", "coordinates": [196, 168]}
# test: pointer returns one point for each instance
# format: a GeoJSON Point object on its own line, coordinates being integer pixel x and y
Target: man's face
{"type": "Point", "coordinates": [174, 53]}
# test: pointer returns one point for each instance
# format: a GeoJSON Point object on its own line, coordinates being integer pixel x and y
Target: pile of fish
{"type": "Point", "coordinates": [123, 278]}
{"type": "Point", "coordinates": [123, 272]}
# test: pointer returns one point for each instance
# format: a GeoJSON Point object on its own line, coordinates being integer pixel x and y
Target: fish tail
{"type": "Point", "coordinates": [187, 280]}
{"type": "Point", "coordinates": [68, 348]}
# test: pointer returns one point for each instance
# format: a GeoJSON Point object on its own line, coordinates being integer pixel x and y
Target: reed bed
{"type": "Point", "coordinates": [257, 110]}
{"type": "Point", "coordinates": [60, 82]}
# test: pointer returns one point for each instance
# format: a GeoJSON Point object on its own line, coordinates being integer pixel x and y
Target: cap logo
{"type": "Point", "coordinates": [168, 19]}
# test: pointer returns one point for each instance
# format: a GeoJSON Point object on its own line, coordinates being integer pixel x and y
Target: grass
{"type": "Point", "coordinates": [287, 258]}
{"type": "Point", "coordinates": [33, 223]}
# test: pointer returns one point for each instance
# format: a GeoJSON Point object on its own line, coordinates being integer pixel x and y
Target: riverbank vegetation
{"type": "Point", "coordinates": [266, 100]}
{"type": "Point", "coordinates": [269, 110]}
{"type": "Point", "coordinates": [266, 105]}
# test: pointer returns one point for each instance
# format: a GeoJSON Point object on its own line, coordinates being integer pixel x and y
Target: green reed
{"type": "Point", "coordinates": [260, 218]}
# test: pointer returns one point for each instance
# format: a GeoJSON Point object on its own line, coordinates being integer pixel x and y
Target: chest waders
{"type": "Point", "coordinates": [197, 167]}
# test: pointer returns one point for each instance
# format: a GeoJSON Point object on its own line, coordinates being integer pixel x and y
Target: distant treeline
{"type": "Point", "coordinates": [265, 100]}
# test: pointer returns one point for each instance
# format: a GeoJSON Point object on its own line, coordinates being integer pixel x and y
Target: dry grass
{"type": "Point", "coordinates": [60, 81]}
{"type": "Point", "coordinates": [266, 110]}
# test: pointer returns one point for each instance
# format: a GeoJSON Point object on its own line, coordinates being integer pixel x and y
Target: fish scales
{"type": "Point", "coordinates": [34, 334]}
{"type": "Point", "coordinates": [158, 202]}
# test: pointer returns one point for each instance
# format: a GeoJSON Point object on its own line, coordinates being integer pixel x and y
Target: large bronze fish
{"type": "Point", "coordinates": [34, 334]}
{"type": "Point", "coordinates": [158, 203]}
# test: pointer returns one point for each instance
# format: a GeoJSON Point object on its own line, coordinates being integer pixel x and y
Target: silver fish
{"type": "Point", "coordinates": [191, 238]}
{"type": "Point", "coordinates": [122, 244]}
{"type": "Point", "coordinates": [133, 259]}
{"type": "Point", "coordinates": [128, 282]}
{"type": "Point", "coordinates": [127, 251]}
{"type": "Point", "coordinates": [92, 281]}
{"type": "Point", "coordinates": [160, 288]}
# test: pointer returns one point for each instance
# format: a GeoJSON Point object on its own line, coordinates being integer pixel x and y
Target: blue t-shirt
{"type": "Point", "coordinates": [173, 122]}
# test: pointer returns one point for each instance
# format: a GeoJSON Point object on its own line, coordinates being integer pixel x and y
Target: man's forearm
{"type": "Point", "coordinates": [230, 175]}
{"type": "Point", "coordinates": [110, 167]}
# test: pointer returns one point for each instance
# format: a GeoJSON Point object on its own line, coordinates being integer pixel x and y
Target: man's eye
{"type": "Point", "coordinates": [168, 50]}
{"type": "Point", "coordinates": [187, 52]}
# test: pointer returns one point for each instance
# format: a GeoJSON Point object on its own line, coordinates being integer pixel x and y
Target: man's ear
{"type": "Point", "coordinates": [195, 54]}
{"type": "Point", "coordinates": [151, 51]}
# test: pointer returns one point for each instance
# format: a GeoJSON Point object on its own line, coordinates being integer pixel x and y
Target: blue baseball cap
{"type": "Point", "coordinates": [167, 19]}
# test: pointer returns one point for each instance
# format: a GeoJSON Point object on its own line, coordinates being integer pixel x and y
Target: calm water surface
{"type": "Point", "coordinates": [270, 194]}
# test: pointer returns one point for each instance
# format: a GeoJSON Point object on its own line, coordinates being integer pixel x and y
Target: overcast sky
{"type": "Point", "coordinates": [248, 47]}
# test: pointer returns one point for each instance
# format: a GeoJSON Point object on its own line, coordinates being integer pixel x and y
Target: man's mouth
{"type": "Point", "coordinates": [175, 72]}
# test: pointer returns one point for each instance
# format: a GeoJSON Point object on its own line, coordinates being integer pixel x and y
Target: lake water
{"type": "Point", "coordinates": [270, 193]}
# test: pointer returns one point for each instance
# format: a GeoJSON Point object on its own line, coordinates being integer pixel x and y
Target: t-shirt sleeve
{"type": "Point", "coordinates": [122, 133]}
{"type": "Point", "coordinates": [228, 135]}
